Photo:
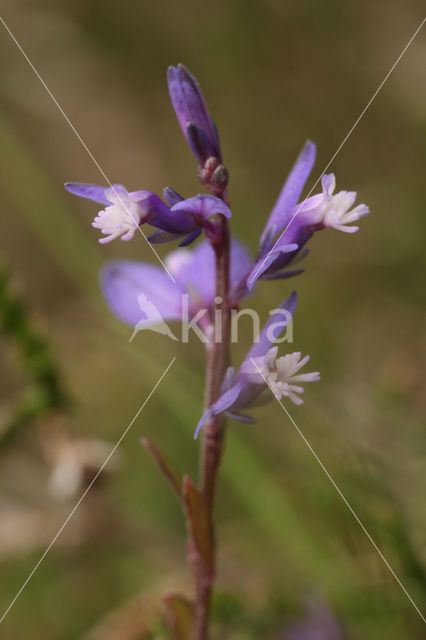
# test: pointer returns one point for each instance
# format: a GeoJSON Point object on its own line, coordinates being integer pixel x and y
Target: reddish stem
{"type": "Point", "coordinates": [213, 432]}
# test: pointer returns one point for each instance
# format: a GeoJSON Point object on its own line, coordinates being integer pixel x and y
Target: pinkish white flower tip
{"type": "Point", "coordinates": [336, 209]}
{"type": "Point", "coordinates": [121, 218]}
{"type": "Point", "coordinates": [281, 373]}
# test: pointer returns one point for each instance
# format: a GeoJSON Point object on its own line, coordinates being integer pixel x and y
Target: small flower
{"type": "Point", "coordinates": [280, 374]}
{"type": "Point", "coordinates": [291, 225]}
{"type": "Point", "coordinates": [318, 623]}
{"type": "Point", "coordinates": [260, 370]}
{"type": "Point", "coordinates": [121, 218]}
{"type": "Point", "coordinates": [191, 110]}
{"type": "Point", "coordinates": [126, 211]}
{"type": "Point", "coordinates": [335, 210]}
{"type": "Point", "coordinates": [187, 217]}
{"type": "Point", "coordinates": [203, 207]}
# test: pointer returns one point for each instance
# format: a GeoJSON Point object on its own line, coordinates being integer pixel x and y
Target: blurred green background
{"type": "Point", "coordinates": [274, 74]}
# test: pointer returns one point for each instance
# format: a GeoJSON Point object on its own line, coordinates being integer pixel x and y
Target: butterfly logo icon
{"type": "Point", "coordinates": [152, 319]}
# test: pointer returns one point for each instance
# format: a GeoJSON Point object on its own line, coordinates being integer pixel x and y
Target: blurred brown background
{"type": "Point", "coordinates": [274, 74]}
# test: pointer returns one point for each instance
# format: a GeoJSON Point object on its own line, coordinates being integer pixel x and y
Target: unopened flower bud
{"type": "Point", "coordinates": [220, 176]}
{"type": "Point", "coordinates": [192, 113]}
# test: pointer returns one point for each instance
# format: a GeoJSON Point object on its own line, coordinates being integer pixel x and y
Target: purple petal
{"type": "Point", "coordinates": [123, 281]}
{"type": "Point", "coordinates": [270, 333]}
{"type": "Point", "coordinates": [293, 187]}
{"type": "Point", "coordinates": [271, 258]}
{"type": "Point", "coordinates": [242, 395]}
{"type": "Point", "coordinates": [190, 238]}
{"type": "Point", "coordinates": [239, 396]}
{"type": "Point", "coordinates": [143, 196]}
{"type": "Point", "coordinates": [298, 231]}
{"type": "Point", "coordinates": [241, 417]}
{"type": "Point", "coordinates": [281, 275]}
{"type": "Point", "coordinates": [318, 624]}
{"type": "Point", "coordinates": [162, 217]}
{"type": "Point", "coordinates": [161, 237]}
{"type": "Point", "coordinates": [229, 380]}
{"type": "Point", "coordinates": [227, 400]}
{"type": "Point", "coordinates": [199, 272]}
{"type": "Point", "coordinates": [171, 196]}
{"type": "Point", "coordinates": [119, 192]}
{"type": "Point", "coordinates": [203, 206]}
{"type": "Point", "coordinates": [206, 415]}
{"type": "Point", "coordinates": [198, 142]}
{"type": "Point", "coordinates": [241, 261]}
{"type": "Point", "coordinates": [89, 191]}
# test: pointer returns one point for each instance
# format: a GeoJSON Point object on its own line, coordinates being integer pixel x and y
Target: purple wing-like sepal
{"type": "Point", "coordinates": [291, 191]}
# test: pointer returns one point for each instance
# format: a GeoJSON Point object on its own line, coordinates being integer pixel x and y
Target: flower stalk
{"type": "Point", "coordinates": [213, 437]}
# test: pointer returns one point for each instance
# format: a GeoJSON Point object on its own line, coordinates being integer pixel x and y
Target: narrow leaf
{"type": "Point", "coordinates": [164, 465]}
{"type": "Point", "coordinates": [180, 615]}
{"type": "Point", "coordinates": [199, 522]}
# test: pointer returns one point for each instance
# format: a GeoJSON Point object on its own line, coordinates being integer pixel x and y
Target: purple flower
{"type": "Point", "coordinates": [261, 371]}
{"type": "Point", "coordinates": [191, 110]}
{"type": "Point", "coordinates": [194, 271]}
{"type": "Point", "coordinates": [291, 225]}
{"type": "Point", "coordinates": [319, 624]}
{"type": "Point", "coordinates": [125, 211]}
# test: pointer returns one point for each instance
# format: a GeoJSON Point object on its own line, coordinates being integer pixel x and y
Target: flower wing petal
{"type": "Point", "coordinates": [263, 264]}
{"type": "Point", "coordinates": [226, 401]}
{"type": "Point", "coordinates": [274, 327]}
{"type": "Point", "coordinates": [203, 207]}
{"type": "Point", "coordinates": [241, 417]}
{"type": "Point", "coordinates": [123, 282]}
{"type": "Point", "coordinates": [293, 186]}
{"type": "Point", "coordinates": [89, 191]}
{"type": "Point", "coordinates": [197, 270]}
{"type": "Point", "coordinates": [241, 261]}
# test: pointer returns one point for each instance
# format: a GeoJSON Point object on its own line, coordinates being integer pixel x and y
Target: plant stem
{"type": "Point", "coordinates": [213, 432]}
{"type": "Point", "coordinates": [217, 363]}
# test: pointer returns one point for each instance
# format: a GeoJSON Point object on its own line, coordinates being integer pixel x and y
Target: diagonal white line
{"type": "Point", "coordinates": [345, 139]}
{"type": "Point", "coordinates": [114, 449]}
{"type": "Point", "coordinates": [341, 495]}
{"type": "Point", "coordinates": [83, 144]}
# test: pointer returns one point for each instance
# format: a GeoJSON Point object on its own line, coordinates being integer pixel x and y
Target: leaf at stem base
{"type": "Point", "coordinates": [180, 616]}
{"type": "Point", "coordinates": [199, 523]}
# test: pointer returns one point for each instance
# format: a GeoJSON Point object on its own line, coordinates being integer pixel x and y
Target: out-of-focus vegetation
{"type": "Point", "coordinates": [274, 74]}
{"type": "Point", "coordinates": [44, 393]}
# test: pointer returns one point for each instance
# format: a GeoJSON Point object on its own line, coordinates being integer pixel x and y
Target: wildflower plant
{"type": "Point", "coordinates": [211, 281]}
